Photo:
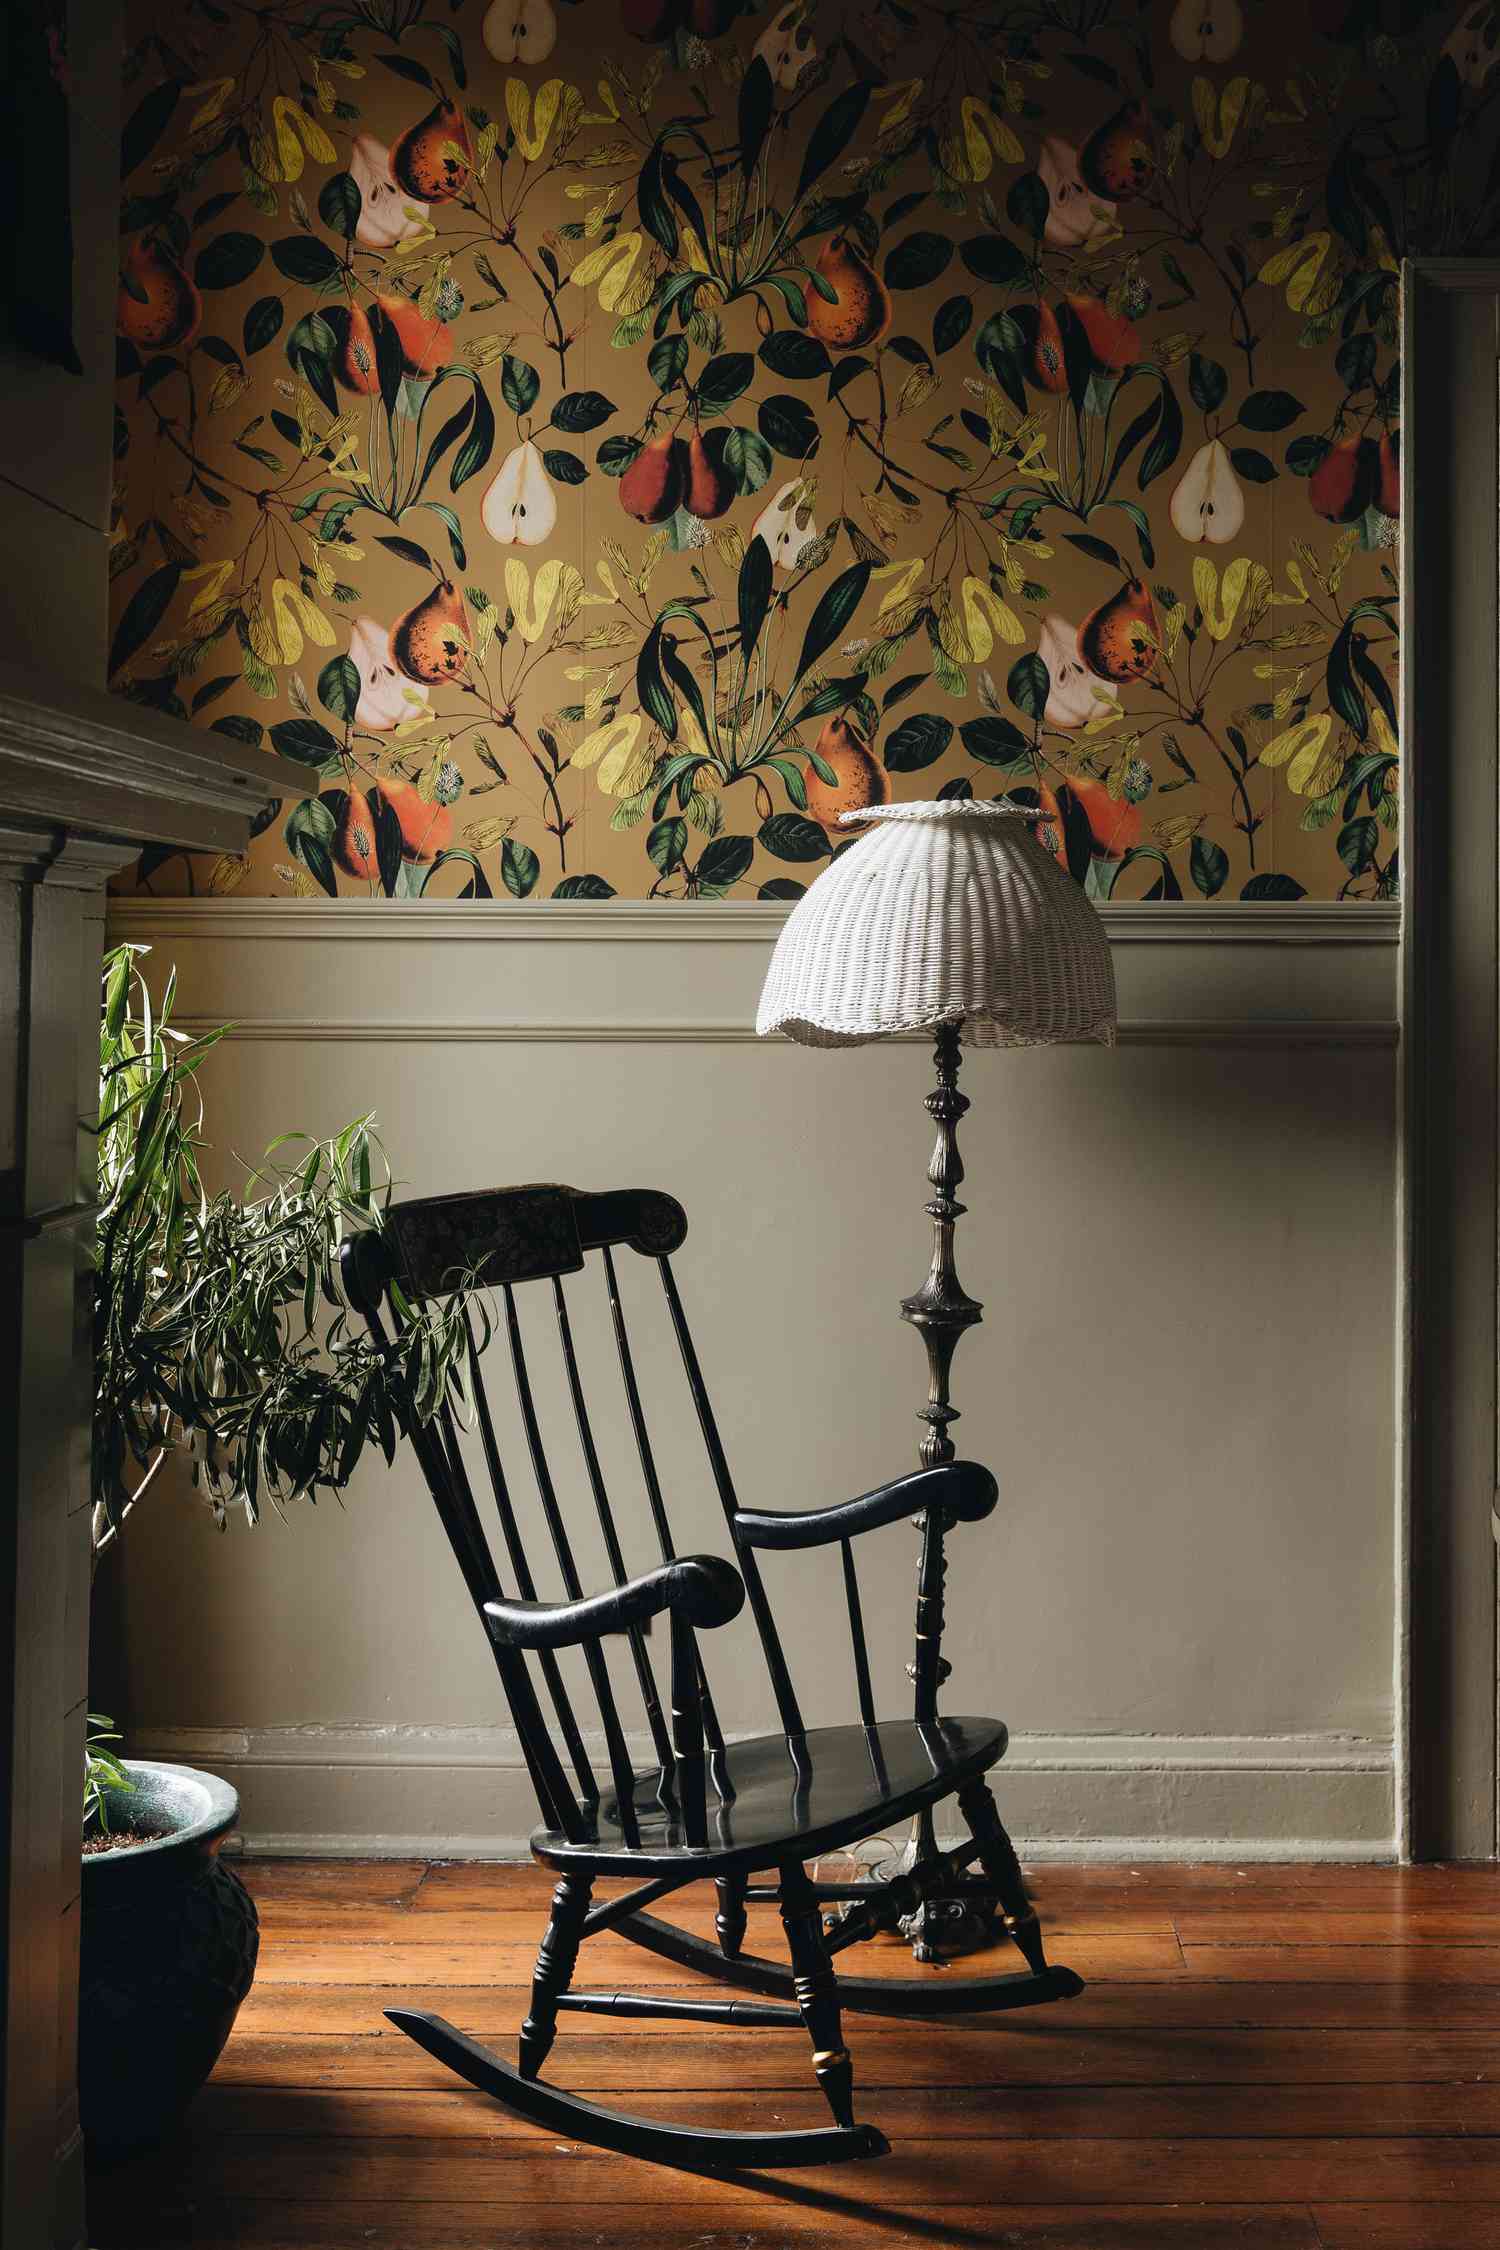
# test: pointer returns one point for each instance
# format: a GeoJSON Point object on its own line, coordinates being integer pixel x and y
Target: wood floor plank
{"type": "Point", "coordinates": [908, 2113]}
{"type": "Point", "coordinates": [1396, 1964]}
{"type": "Point", "coordinates": [1408, 2226]}
{"type": "Point", "coordinates": [1048, 2054]}
{"type": "Point", "coordinates": [1292, 1925]}
{"type": "Point", "coordinates": [522, 2172]}
{"type": "Point", "coordinates": [770, 2223]}
{"type": "Point", "coordinates": [485, 2009]}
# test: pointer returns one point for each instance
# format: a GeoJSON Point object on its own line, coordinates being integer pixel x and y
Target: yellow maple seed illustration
{"type": "Point", "coordinates": [969, 632]}
{"type": "Point", "coordinates": [612, 265]}
{"type": "Point", "coordinates": [613, 748]}
{"type": "Point", "coordinates": [532, 124]}
{"type": "Point", "coordinates": [218, 91]}
{"type": "Point", "coordinates": [1309, 289]}
{"type": "Point", "coordinates": [902, 95]}
{"type": "Point", "coordinates": [294, 615]}
{"type": "Point", "coordinates": [1219, 116]}
{"type": "Point", "coordinates": [214, 575]}
{"type": "Point", "coordinates": [1209, 592]}
{"type": "Point", "coordinates": [291, 120]}
{"type": "Point", "coordinates": [969, 154]}
{"type": "Point", "coordinates": [554, 578]}
{"type": "Point", "coordinates": [1299, 748]}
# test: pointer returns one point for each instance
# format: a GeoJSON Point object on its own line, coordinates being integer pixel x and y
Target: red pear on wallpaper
{"type": "Point", "coordinates": [385, 696]}
{"type": "Point", "coordinates": [651, 20]}
{"type": "Point", "coordinates": [653, 487]}
{"type": "Point", "coordinates": [785, 523]}
{"type": "Point", "coordinates": [1118, 160]}
{"type": "Point", "coordinates": [1112, 340]}
{"type": "Point", "coordinates": [1207, 30]}
{"type": "Point", "coordinates": [1075, 695]}
{"type": "Point", "coordinates": [1121, 639]}
{"type": "Point", "coordinates": [861, 779]}
{"type": "Point", "coordinates": [1209, 502]}
{"type": "Point", "coordinates": [788, 46]}
{"type": "Point", "coordinates": [431, 641]}
{"type": "Point", "coordinates": [355, 365]}
{"type": "Point", "coordinates": [1048, 369]}
{"type": "Point", "coordinates": [426, 345]}
{"type": "Point", "coordinates": [387, 214]}
{"type": "Point", "coordinates": [419, 162]}
{"type": "Point", "coordinates": [354, 837]}
{"type": "Point", "coordinates": [1388, 499]}
{"type": "Point", "coordinates": [520, 507]}
{"type": "Point", "coordinates": [157, 308]}
{"type": "Point", "coordinates": [1074, 213]}
{"type": "Point", "coordinates": [861, 311]}
{"type": "Point", "coordinates": [710, 487]}
{"type": "Point", "coordinates": [519, 30]}
{"type": "Point", "coordinates": [1114, 822]}
{"type": "Point", "coordinates": [425, 829]}
{"type": "Point", "coordinates": [1346, 480]}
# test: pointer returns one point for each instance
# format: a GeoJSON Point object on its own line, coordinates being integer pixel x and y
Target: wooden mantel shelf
{"type": "Point", "coordinates": [79, 759]}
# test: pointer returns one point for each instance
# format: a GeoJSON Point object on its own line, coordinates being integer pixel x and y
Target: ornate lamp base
{"type": "Point", "coordinates": [941, 1311]}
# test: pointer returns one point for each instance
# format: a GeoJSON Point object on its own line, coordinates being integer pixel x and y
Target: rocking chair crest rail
{"type": "Point", "coordinates": [703, 1806]}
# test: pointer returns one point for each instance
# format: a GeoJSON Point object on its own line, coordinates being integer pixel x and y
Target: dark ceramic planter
{"type": "Point", "coordinates": [168, 1946]}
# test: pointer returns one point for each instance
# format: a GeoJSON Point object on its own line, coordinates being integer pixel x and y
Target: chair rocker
{"type": "Point", "coordinates": [707, 1809]}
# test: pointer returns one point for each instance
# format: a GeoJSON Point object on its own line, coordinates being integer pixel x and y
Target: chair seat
{"type": "Point", "coordinates": [793, 1796]}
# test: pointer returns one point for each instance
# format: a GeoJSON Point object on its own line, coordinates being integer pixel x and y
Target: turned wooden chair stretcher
{"type": "Point", "coordinates": [725, 1811]}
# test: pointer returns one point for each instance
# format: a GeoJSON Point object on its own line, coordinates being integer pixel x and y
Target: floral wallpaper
{"type": "Point", "coordinates": [604, 441]}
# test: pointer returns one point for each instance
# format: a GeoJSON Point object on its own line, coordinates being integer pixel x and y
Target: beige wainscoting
{"type": "Point", "coordinates": [1184, 1606]}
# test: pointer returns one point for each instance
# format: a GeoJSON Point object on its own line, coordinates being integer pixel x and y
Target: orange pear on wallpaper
{"type": "Point", "coordinates": [1114, 822]}
{"type": "Point", "coordinates": [1048, 369]}
{"type": "Point", "coordinates": [157, 307]}
{"type": "Point", "coordinates": [653, 487]}
{"type": "Point", "coordinates": [420, 161]}
{"type": "Point", "coordinates": [1112, 340]}
{"type": "Point", "coordinates": [1118, 160]}
{"type": "Point", "coordinates": [1346, 480]}
{"type": "Point", "coordinates": [522, 31]}
{"type": "Point", "coordinates": [431, 641]}
{"type": "Point", "coordinates": [860, 312]}
{"type": "Point", "coordinates": [710, 487]}
{"type": "Point", "coordinates": [1388, 500]}
{"type": "Point", "coordinates": [425, 829]}
{"type": "Point", "coordinates": [1209, 502]}
{"type": "Point", "coordinates": [355, 365]}
{"type": "Point", "coordinates": [520, 507]}
{"type": "Point", "coordinates": [1207, 30]}
{"type": "Point", "coordinates": [354, 836]}
{"type": "Point", "coordinates": [861, 779]}
{"type": "Point", "coordinates": [426, 344]}
{"type": "Point", "coordinates": [1121, 639]}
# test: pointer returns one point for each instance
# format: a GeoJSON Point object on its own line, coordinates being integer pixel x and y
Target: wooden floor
{"type": "Point", "coordinates": [1272, 2058]}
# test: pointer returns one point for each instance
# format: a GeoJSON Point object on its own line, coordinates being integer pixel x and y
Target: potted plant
{"type": "Point", "coordinates": [220, 1332]}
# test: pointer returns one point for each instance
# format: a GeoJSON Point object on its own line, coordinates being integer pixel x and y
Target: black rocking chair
{"type": "Point", "coordinates": [710, 1808]}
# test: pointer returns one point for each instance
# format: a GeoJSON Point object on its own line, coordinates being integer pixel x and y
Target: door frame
{"type": "Point", "coordinates": [1449, 1164]}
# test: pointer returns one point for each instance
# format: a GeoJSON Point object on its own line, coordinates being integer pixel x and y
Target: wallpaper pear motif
{"type": "Point", "coordinates": [603, 441]}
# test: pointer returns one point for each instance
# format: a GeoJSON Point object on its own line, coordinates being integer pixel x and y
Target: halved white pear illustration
{"type": "Point", "coordinates": [1209, 30]}
{"type": "Point", "coordinates": [786, 525]}
{"type": "Point", "coordinates": [1209, 502]}
{"type": "Point", "coordinates": [520, 508]}
{"type": "Point", "coordinates": [1075, 696]}
{"type": "Point", "coordinates": [386, 696]}
{"type": "Point", "coordinates": [1074, 212]}
{"type": "Point", "coordinates": [519, 30]}
{"type": "Point", "coordinates": [787, 47]}
{"type": "Point", "coordinates": [387, 214]}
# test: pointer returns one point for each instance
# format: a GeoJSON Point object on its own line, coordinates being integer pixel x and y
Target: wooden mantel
{"type": "Point", "coordinates": [85, 780]}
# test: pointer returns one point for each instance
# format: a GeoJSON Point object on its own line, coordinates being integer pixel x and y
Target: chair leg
{"type": "Point", "coordinates": [817, 1990]}
{"type": "Point", "coordinates": [731, 1921]}
{"type": "Point", "coordinates": [555, 1961]}
{"type": "Point", "coordinates": [997, 1856]}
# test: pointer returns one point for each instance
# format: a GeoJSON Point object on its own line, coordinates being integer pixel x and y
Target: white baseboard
{"type": "Point", "coordinates": [462, 1793]}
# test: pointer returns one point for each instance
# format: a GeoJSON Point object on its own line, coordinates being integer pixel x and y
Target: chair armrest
{"type": "Point", "coordinates": [965, 1489]}
{"type": "Point", "coordinates": [700, 1589]}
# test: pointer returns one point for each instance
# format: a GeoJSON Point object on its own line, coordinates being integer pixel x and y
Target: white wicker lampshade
{"type": "Point", "coordinates": [943, 913]}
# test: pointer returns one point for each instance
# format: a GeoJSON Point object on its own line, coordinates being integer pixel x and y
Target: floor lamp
{"type": "Point", "coordinates": [951, 918]}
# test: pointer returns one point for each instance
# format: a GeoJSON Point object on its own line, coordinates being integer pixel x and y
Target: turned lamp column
{"type": "Point", "coordinates": [946, 917]}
